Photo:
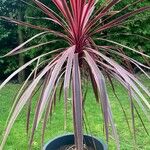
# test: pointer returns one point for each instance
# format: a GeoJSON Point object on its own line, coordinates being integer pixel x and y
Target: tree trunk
{"type": "Point", "coordinates": [21, 75]}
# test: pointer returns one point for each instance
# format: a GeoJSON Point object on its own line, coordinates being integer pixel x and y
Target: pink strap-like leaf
{"type": "Point", "coordinates": [67, 79]}
{"type": "Point", "coordinates": [49, 12]}
{"type": "Point", "coordinates": [121, 19]}
{"type": "Point", "coordinates": [77, 104]}
{"type": "Point", "coordinates": [100, 81]}
{"type": "Point", "coordinates": [22, 101]}
{"type": "Point", "coordinates": [51, 83]}
{"type": "Point", "coordinates": [33, 26]}
{"type": "Point", "coordinates": [23, 44]}
{"type": "Point", "coordinates": [124, 75]}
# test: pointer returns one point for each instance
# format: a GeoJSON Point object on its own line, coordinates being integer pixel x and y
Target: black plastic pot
{"type": "Point", "coordinates": [59, 142]}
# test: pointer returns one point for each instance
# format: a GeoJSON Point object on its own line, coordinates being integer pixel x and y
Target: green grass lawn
{"type": "Point", "coordinates": [18, 138]}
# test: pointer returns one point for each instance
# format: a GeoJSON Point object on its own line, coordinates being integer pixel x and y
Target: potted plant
{"type": "Point", "coordinates": [82, 25]}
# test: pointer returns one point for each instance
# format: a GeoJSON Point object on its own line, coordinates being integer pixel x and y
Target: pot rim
{"type": "Point", "coordinates": [61, 136]}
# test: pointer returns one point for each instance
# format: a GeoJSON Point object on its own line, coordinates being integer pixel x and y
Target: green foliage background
{"type": "Point", "coordinates": [137, 25]}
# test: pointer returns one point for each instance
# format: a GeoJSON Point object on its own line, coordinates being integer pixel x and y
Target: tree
{"type": "Point", "coordinates": [11, 35]}
{"type": "Point", "coordinates": [8, 38]}
{"type": "Point", "coordinates": [21, 13]}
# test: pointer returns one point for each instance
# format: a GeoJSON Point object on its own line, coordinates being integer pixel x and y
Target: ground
{"type": "Point", "coordinates": [18, 137]}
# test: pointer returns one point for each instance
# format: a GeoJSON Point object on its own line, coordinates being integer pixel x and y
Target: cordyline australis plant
{"type": "Point", "coordinates": [82, 25]}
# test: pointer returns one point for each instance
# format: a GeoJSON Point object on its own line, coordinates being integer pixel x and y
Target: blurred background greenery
{"type": "Point", "coordinates": [11, 35]}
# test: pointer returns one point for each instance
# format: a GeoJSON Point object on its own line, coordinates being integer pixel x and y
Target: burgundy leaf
{"type": "Point", "coordinates": [77, 104]}
{"type": "Point", "coordinates": [23, 44]}
{"type": "Point", "coordinates": [122, 18]}
{"type": "Point", "coordinates": [100, 81]}
{"type": "Point", "coordinates": [23, 100]}
{"type": "Point", "coordinates": [67, 79]}
{"type": "Point", "coordinates": [49, 12]}
{"type": "Point", "coordinates": [33, 47]}
{"type": "Point", "coordinates": [82, 25]}
{"type": "Point", "coordinates": [124, 46]}
{"type": "Point", "coordinates": [24, 66]}
{"type": "Point", "coordinates": [32, 26]}
{"type": "Point", "coordinates": [51, 84]}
